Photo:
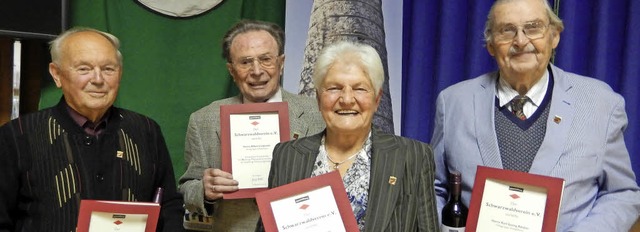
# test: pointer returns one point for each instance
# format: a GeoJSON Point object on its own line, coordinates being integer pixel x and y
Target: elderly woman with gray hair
{"type": "Point", "coordinates": [388, 178]}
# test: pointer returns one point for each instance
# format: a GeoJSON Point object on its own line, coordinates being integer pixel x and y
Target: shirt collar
{"type": "Point", "coordinates": [88, 126]}
{"type": "Point", "coordinates": [277, 97]}
{"type": "Point", "coordinates": [536, 93]}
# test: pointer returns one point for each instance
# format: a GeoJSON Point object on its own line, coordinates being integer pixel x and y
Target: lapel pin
{"type": "Point", "coordinates": [295, 135]}
{"type": "Point", "coordinates": [119, 154]}
{"type": "Point", "coordinates": [392, 180]}
{"type": "Point", "coordinates": [557, 119]}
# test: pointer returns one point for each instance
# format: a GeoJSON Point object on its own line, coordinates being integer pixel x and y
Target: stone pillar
{"type": "Point", "coordinates": [352, 20]}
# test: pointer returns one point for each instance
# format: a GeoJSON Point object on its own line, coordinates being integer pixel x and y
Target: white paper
{"type": "Point", "coordinates": [253, 137]}
{"type": "Point", "coordinates": [313, 211]}
{"type": "Point", "coordinates": [109, 222]}
{"type": "Point", "coordinates": [511, 207]}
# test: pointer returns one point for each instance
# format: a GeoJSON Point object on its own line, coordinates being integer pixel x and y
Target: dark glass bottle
{"type": "Point", "coordinates": [454, 213]}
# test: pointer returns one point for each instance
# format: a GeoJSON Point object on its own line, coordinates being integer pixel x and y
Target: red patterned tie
{"type": "Point", "coordinates": [516, 106]}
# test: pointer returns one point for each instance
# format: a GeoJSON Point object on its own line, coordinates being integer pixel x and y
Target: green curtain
{"type": "Point", "coordinates": [172, 66]}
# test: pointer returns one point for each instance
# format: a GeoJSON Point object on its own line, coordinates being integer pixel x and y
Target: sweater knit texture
{"type": "Point", "coordinates": [519, 146]}
{"type": "Point", "coordinates": [50, 164]}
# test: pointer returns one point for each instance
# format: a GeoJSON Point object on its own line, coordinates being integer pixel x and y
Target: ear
{"type": "Point", "coordinates": [318, 97]}
{"type": "Point", "coordinates": [55, 74]}
{"type": "Point", "coordinates": [282, 64]}
{"type": "Point", "coordinates": [379, 97]}
{"type": "Point", "coordinates": [555, 34]}
{"type": "Point", "coordinates": [491, 49]}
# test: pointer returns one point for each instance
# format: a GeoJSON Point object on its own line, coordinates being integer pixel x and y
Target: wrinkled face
{"type": "Point", "coordinates": [522, 54]}
{"type": "Point", "coordinates": [347, 99]}
{"type": "Point", "coordinates": [88, 73]}
{"type": "Point", "coordinates": [255, 65]}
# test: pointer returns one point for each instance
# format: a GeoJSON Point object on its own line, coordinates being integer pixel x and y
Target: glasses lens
{"type": "Point", "coordinates": [244, 63]}
{"type": "Point", "coordinates": [506, 33]}
{"type": "Point", "coordinates": [534, 30]}
{"type": "Point", "coordinates": [265, 61]}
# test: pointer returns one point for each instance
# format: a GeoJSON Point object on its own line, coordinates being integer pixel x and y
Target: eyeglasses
{"type": "Point", "coordinates": [532, 30]}
{"type": "Point", "coordinates": [265, 61]}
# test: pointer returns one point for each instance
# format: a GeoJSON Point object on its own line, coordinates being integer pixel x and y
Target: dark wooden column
{"type": "Point", "coordinates": [35, 59]}
{"type": "Point", "coordinates": [6, 61]}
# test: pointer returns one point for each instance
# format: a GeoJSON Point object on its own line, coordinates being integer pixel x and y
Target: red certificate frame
{"type": "Point", "coordinates": [332, 179]}
{"type": "Point", "coordinates": [553, 185]}
{"type": "Point", "coordinates": [281, 108]}
{"type": "Point", "coordinates": [87, 207]}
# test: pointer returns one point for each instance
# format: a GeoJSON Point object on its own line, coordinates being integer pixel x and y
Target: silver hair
{"type": "Point", "coordinates": [346, 51]}
{"type": "Point", "coordinates": [247, 25]}
{"type": "Point", "coordinates": [55, 45]}
{"type": "Point", "coordinates": [554, 20]}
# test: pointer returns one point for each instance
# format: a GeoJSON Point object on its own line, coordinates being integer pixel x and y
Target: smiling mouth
{"type": "Point", "coordinates": [97, 94]}
{"type": "Point", "coordinates": [258, 84]}
{"type": "Point", "coordinates": [346, 112]}
{"type": "Point", "coordinates": [522, 53]}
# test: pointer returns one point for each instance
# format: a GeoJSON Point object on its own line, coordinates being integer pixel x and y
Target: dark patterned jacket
{"type": "Point", "coordinates": [407, 203]}
{"type": "Point", "coordinates": [48, 164]}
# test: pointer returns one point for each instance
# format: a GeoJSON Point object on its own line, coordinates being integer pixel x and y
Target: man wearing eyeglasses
{"type": "Point", "coordinates": [532, 116]}
{"type": "Point", "coordinates": [254, 51]}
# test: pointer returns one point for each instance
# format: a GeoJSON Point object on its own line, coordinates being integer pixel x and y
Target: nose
{"type": "Point", "coordinates": [521, 38]}
{"type": "Point", "coordinates": [256, 69]}
{"type": "Point", "coordinates": [97, 76]}
{"type": "Point", "coordinates": [347, 96]}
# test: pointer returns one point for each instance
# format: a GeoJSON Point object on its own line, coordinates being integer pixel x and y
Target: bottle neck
{"type": "Point", "coordinates": [455, 191]}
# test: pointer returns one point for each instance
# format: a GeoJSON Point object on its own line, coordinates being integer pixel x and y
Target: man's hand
{"type": "Point", "coordinates": [216, 182]}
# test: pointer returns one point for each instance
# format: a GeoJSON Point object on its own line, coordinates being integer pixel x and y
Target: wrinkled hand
{"type": "Point", "coordinates": [216, 182]}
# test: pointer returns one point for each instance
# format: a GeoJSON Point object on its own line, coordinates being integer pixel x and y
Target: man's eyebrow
{"type": "Point", "coordinates": [526, 22]}
{"type": "Point", "coordinates": [534, 21]}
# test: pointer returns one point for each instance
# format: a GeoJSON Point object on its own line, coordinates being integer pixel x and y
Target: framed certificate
{"type": "Point", "coordinates": [315, 204]}
{"type": "Point", "coordinates": [104, 216]}
{"type": "Point", "coordinates": [506, 200]}
{"type": "Point", "coordinates": [249, 134]}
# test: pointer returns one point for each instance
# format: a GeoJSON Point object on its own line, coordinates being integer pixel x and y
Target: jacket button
{"type": "Point", "coordinates": [99, 177]}
{"type": "Point", "coordinates": [87, 141]}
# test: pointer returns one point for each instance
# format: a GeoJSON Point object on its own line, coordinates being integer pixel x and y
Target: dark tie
{"type": "Point", "coordinates": [516, 106]}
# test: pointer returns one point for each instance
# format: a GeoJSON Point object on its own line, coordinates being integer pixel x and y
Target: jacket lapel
{"type": "Point", "coordinates": [483, 109]}
{"type": "Point", "coordinates": [386, 162]}
{"type": "Point", "coordinates": [561, 115]}
{"type": "Point", "coordinates": [296, 127]}
{"type": "Point", "coordinates": [308, 148]}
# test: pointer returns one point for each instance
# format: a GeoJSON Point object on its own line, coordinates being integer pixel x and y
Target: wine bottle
{"type": "Point", "coordinates": [454, 213]}
{"type": "Point", "coordinates": [157, 197]}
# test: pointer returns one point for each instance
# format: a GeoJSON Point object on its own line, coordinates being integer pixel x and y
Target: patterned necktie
{"type": "Point", "coordinates": [516, 106]}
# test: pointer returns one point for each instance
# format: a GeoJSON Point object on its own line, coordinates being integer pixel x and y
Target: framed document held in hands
{"type": "Point", "coordinates": [249, 134]}
{"type": "Point", "coordinates": [506, 200]}
{"type": "Point", "coordinates": [108, 216]}
{"type": "Point", "coordinates": [314, 204]}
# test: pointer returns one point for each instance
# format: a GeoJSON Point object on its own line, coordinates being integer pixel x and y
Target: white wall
{"type": "Point", "coordinates": [297, 24]}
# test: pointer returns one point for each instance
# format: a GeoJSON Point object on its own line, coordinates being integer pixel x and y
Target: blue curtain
{"type": "Point", "coordinates": [443, 45]}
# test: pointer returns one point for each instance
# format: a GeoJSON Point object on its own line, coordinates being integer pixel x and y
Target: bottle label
{"type": "Point", "coordinates": [444, 228]}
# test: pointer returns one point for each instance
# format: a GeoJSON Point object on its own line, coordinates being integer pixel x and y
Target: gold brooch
{"type": "Point", "coordinates": [392, 180]}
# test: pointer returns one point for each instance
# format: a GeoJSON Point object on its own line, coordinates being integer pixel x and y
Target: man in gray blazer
{"type": "Point", "coordinates": [254, 53]}
{"type": "Point", "coordinates": [570, 126]}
